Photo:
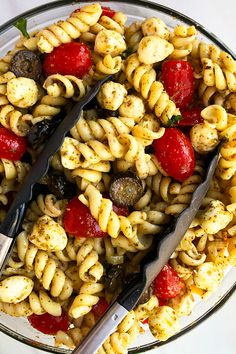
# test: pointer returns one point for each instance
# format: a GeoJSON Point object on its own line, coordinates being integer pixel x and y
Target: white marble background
{"type": "Point", "coordinates": [216, 335]}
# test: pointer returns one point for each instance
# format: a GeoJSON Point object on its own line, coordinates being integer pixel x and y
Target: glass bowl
{"type": "Point", "coordinates": [136, 10]}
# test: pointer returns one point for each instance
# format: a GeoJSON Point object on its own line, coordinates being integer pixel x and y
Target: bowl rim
{"type": "Point", "coordinates": [171, 12]}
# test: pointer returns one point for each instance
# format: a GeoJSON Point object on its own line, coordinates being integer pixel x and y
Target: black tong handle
{"type": "Point", "coordinates": [11, 223]}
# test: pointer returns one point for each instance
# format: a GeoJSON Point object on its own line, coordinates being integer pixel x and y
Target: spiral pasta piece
{"type": "Point", "coordinates": [182, 39]}
{"type": "Point", "coordinates": [183, 199]}
{"type": "Point", "coordinates": [96, 129]}
{"type": "Point", "coordinates": [46, 269]}
{"type": "Point", "coordinates": [108, 220]}
{"type": "Point", "coordinates": [227, 164]}
{"type": "Point", "coordinates": [87, 298]}
{"type": "Point", "coordinates": [217, 76]}
{"type": "Point", "coordinates": [163, 186]}
{"type": "Point", "coordinates": [45, 205]}
{"type": "Point", "coordinates": [106, 65]}
{"type": "Point", "coordinates": [133, 35]}
{"type": "Point", "coordinates": [22, 309]}
{"type": "Point", "coordinates": [76, 155]}
{"type": "Point", "coordinates": [143, 78]}
{"type": "Point", "coordinates": [90, 269]}
{"type": "Point", "coordinates": [14, 120]}
{"type": "Point", "coordinates": [47, 108]}
{"type": "Point", "coordinates": [14, 169]}
{"type": "Point", "coordinates": [202, 50]}
{"type": "Point", "coordinates": [67, 86]}
{"type": "Point", "coordinates": [70, 29]}
{"type": "Point", "coordinates": [116, 23]}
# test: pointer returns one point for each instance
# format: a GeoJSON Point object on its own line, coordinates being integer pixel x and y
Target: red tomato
{"type": "Point", "coordinates": [175, 153]}
{"type": "Point", "coordinates": [167, 284]}
{"type": "Point", "coordinates": [178, 80]}
{"type": "Point", "coordinates": [107, 11]}
{"type": "Point", "coordinates": [12, 147]}
{"type": "Point", "coordinates": [79, 222]}
{"type": "Point", "coordinates": [101, 307]}
{"type": "Point", "coordinates": [191, 117]}
{"type": "Point", "coordinates": [68, 59]}
{"type": "Point", "coordinates": [49, 324]}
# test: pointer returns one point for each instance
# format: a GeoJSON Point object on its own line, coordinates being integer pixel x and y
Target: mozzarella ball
{"type": "Point", "coordinates": [208, 276]}
{"type": "Point", "coordinates": [204, 138]}
{"type": "Point", "coordinates": [22, 92]}
{"type": "Point", "coordinates": [109, 42]}
{"type": "Point", "coordinates": [153, 49]}
{"type": "Point", "coordinates": [111, 95]}
{"type": "Point", "coordinates": [132, 107]}
{"type": "Point", "coordinates": [155, 26]}
{"type": "Point", "coordinates": [163, 322]}
{"type": "Point", "coordinates": [48, 235]}
{"type": "Point", "coordinates": [215, 217]}
{"type": "Point", "coordinates": [15, 289]}
{"type": "Point", "coordinates": [70, 155]}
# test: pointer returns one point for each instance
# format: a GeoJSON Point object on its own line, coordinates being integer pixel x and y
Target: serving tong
{"type": "Point", "coordinates": [11, 224]}
{"type": "Point", "coordinates": [163, 247]}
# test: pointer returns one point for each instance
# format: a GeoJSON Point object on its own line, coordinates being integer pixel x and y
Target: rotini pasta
{"type": "Point", "coordinates": [143, 78]}
{"type": "Point", "coordinates": [86, 235]}
{"type": "Point", "coordinates": [70, 29]}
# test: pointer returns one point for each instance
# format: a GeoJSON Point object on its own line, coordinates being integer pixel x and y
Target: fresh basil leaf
{"type": "Point", "coordinates": [174, 120]}
{"type": "Point", "coordinates": [21, 25]}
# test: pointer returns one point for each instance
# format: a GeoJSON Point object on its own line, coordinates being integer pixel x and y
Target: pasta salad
{"type": "Point", "coordinates": [127, 168]}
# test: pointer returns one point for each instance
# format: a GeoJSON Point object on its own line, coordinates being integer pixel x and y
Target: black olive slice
{"type": "Point", "coordinates": [41, 131]}
{"type": "Point", "coordinates": [126, 189]}
{"type": "Point", "coordinates": [59, 186]}
{"type": "Point", "coordinates": [26, 63]}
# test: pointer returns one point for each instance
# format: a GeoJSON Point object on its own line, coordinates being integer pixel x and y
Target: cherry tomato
{"type": "Point", "coordinates": [191, 117]}
{"type": "Point", "coordinates": [12, 147]}
{"type": "Point", "coordinates": [107, 11]}
{"type": "Point", "coordinates": [175, 153]}
{"type": "Point", "coordinates": [167, 284]}
{"type": "Point", "coordinates": [101, 307]}
{"type": "Point", "coordinates": [178, 80]}
{"type": "Point", "coordinates": [68, 59]}
{"type": "Point", "coordinates": [79, 222]}
{"type": "Point", "coordinates": [49, 324]}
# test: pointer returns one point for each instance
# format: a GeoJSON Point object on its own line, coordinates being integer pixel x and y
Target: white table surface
{"type": "Point", "coordinates": [217, 334]}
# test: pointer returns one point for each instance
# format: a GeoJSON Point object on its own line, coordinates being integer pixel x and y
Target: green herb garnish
{"type": "Point", "coordinates": [174, 120]}
{"type": "Point", "coordinates": [21, 24]}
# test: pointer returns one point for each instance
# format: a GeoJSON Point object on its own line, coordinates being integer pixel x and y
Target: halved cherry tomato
{"type": "Point", "coordinates": [191, 116]}
{"type": "Point", "coordinates": [107, 11]}
{"type": "Point", "coordinates": [100, 308]}
{"type": "Point", "coordinates": [12, 147]}
{"type": "Point", "coordinates": [49, 324]}
{"type": "Point", "coordinates": [175, 153]}
{"type": "Point", "coordinates": [167, 284]}
{"type": "Point", "coordinates": [68, 59]}
{"type": "Point", "coordinates": [79, 222]}
{"type": "Point", "coordinates": [178, 80]}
